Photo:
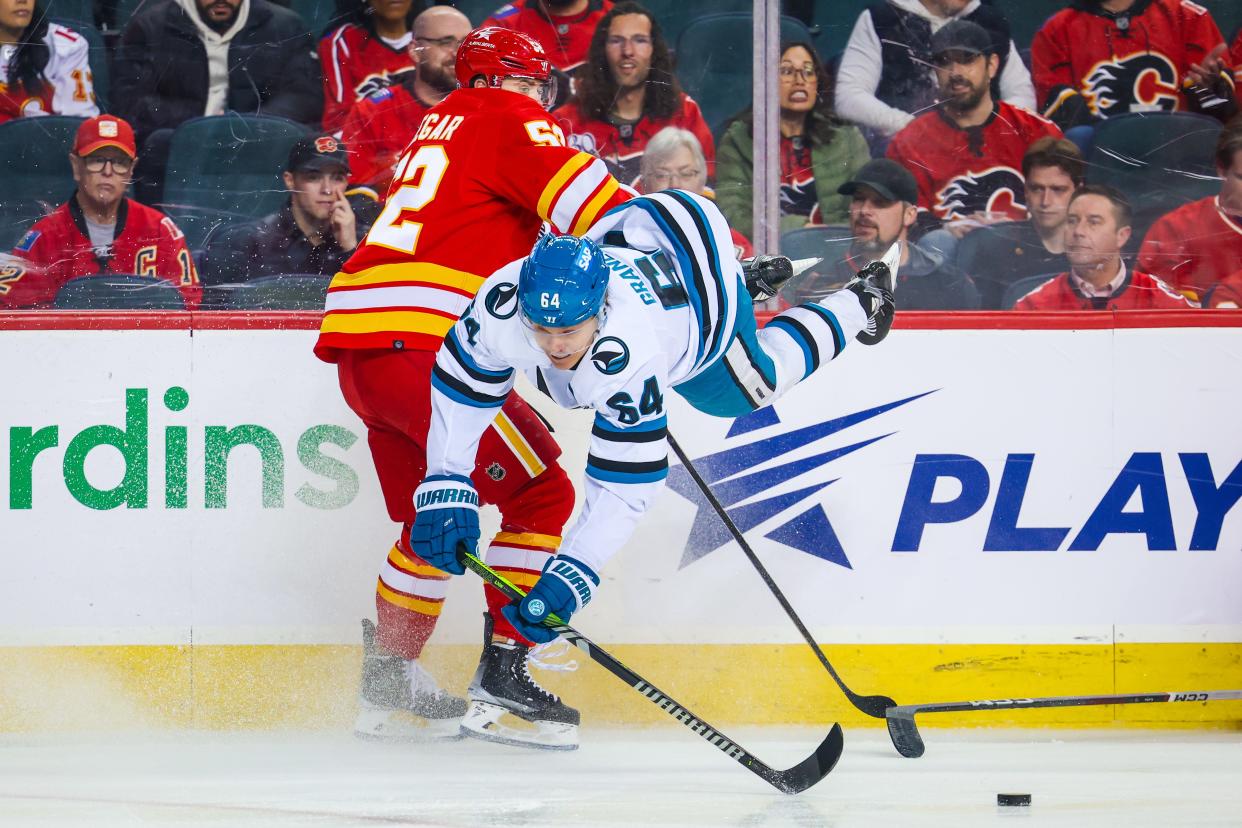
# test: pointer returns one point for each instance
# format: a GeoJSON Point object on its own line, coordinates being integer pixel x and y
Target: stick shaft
{"type": "Point", "coordinates": [792, 781]}
{"type": "Point", "coordinates": [1068, 701]}
{"type": "Point", "coordinates": [873, 706]}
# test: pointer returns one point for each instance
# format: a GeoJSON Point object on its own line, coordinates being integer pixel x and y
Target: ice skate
{"type": "Point", "coordinates": [508, 706]}
{"type": "Point", "coordinates": [398, 700]}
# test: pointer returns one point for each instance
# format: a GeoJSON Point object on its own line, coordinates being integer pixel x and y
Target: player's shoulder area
{"type": "Point", "coordinates": [64, 40]}
{"type": "Point", "coordinates": [497, 296]}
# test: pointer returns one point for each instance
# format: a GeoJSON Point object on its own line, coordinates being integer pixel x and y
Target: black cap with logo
{"type": "Point", "coordinates": [317, 153]}
{"type": "Point", "coordinates": [886, 177]}
{"type": "Point", "coordinates": [962, 36]}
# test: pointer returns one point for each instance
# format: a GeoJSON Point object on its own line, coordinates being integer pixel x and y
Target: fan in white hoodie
{"type": "Point", "coordinates": [862, 67]}
{"type": "Point", "coordinates": [216, 41]}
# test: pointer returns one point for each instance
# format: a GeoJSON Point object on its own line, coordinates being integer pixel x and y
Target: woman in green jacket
{"type": "Point", "coordinates": [819, 151]}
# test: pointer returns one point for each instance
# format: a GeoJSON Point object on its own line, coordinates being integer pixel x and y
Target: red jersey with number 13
{"type": "Point", "coordinates": [485, 169]}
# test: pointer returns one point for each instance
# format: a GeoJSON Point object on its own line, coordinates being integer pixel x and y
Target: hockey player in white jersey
{"type": "Point", "coordinates": [652, 300]}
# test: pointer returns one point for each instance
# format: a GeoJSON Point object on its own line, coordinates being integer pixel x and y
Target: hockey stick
{"type": "Point", "coordinates": [874, 706]}
{"type": "Point", "coordinates": [905, 733]}
{"type": "Point", "coordinates": [795, 780]}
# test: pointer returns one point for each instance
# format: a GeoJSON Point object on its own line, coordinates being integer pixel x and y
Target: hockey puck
{"type": "Point", "coordinates": [1013, 799]}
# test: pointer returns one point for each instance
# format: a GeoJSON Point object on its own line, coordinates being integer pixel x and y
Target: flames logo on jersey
{"type": "Point", "coordinates": [995, 190]}
{"type": "Point", "coordinates": [1141, 82]}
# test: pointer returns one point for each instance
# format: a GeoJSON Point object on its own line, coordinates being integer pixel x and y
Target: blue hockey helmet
{"type": "Point", "coordinates": [562, 282]}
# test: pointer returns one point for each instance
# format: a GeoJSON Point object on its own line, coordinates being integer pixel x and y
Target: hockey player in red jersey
{"type": "Point", "coordinates": [562, 27]}
{"type": "Point", "coordinates": [1096, 230]}
{"type": "Point", "coordinates": [967, 152]}
{"type": "Point", "coordinates": [487, 166]}
{"type": "Point", "coordinates": [364, 56]}
{"type": "Point", "coordinates": [1103, 58]}
{"type": "Point", "coordinates": [381, 125]}
{"type": "Point", "coordinates": [1198, 243]}
{"type": "Point", "coordinates": [99, 230]}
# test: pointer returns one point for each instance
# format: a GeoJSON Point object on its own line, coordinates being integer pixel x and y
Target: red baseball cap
{"type": "Point", "coordinates": [105, 131]}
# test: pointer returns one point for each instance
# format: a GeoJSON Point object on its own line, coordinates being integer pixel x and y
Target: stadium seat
{"type": "Point", "coordinates": [1160, 160]}
{"type": "Point", "coordinates": [112, 291]}
{"type": "Point", "coordinates": [292, 291]}
{"type": "Point", "coordinates": [714, 60]}
{"type": "Point", "coordinates": [835, 20]}
{"type": "Point", "coordinates": [479, 10]}
{"type": "Point", "coordinates": [1022, 287]}
{"type": "Point", "coordinates": [830, 243]}
{"type": "Point", "coordinates": [972, 257]}
{"type": "Point", "coordinates": [320, 15]}
{"type": "Point", "coordinates": [675, 16]}
{"type": "Point", "coordinates": [1227, 14]}
{"type": "Point", "coordinates": [1027, 17]}
{"type": "Point", "coordinates": [100, 62]}
{"type": "Point", "coordinates": [34, 166]}
{"type": "Point", "coordinates": [226, 169]}
{"type": "Point", "coordinates": [63, 11]}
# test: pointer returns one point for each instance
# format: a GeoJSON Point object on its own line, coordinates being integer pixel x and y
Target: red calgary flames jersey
{"type": "Point", "coordinates": [377, 130]}
{"type": "Point", "coordinates": [964, 171]}
{"type": "Point", "coordinates": [1140, 291]}
{"type": "Point", "coordinates": [485, 169]}
{"type": "Point", "coordinates": [1227, 293]}
{"type": "Point", "coordinates": [58, 248]}
{"type": "Point", "coordinates": [1116, 67]}
{"type": "Point", "coordinates": [566, 38]}
{"type": "Point", "coordinates": [1193, 246]}
{"type": "Point", "coordinates": [355, 63]}
{"type": "Point", "coordinates": [623, 146]}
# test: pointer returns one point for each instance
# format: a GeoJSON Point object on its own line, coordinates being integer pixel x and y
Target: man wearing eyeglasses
{"type": "Point", "coordinates": [380, 126]}
{"type": "Point", "coordinates": [99, 230]}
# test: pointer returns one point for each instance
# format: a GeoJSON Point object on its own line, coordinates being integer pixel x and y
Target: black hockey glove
{"type": "Point", "coordinates": [874, 288]}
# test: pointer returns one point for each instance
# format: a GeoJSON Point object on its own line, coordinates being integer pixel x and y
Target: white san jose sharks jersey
{"type": "Point", "coordinates": [670, 309]}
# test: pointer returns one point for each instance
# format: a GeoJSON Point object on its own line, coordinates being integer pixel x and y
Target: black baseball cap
{"type": "Point", "coordinates": [886, 177]}
{"type": "Point", "coordinates": [962, 36]}
{"type": "Point", "coordinates": [317, 152]}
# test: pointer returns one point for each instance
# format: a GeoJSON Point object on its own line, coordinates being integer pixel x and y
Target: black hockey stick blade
{"type": "Point", "coordinates": [904, 733]}
{"type": "Point", "coordinates": [794, 780]}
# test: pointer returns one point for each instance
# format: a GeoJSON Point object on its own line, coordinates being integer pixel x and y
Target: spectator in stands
{"type": "Point", "coordinates": [626, 93]}
{"type": "Point", "coordinates": [44, 67]}
{"type": "Point", "coordinates": [99, 230]}
{"type": "Point", "coordinates": [563, 27]}
{"type": "Point", "coordinates": [184, 58]}
{"type": "Point", "coordinates": [1235, 59]}
{"type": "Point", "coordinates": [819, 151]}
{"type": "Point", "coordinates": [365, 55]}
{"type": "Point", "coordinates": [314, 233]}
{"type": "Point", "coordinates": [380, 126]}
{"type": "Point", "coordinates": [1014, 250]}
{"type": "Point", "coordinates": [1198, 243]}
{"type": "Point", "coordinates": [1096, 230]}
{"type": "Point", "coordinates": [885, 79]}
{"type": "Point", "coordinates": [1103, 58]}
{"type": "Point", "coordinates": [967, 152]}
{"type": "Point", "coordinates": [882, 211]}
{"type": "Point", "coordinates": [674, 161]}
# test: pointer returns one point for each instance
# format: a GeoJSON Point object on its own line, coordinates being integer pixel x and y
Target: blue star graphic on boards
{"type": "Point", "coordinates": [808, 531]}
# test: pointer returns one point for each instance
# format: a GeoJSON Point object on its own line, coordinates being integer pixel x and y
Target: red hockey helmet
{"type": "Point", "coordinates": [494, 54]}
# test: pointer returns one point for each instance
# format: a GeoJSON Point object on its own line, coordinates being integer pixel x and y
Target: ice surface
{"type": "Point", "coordinates": [643, 777]}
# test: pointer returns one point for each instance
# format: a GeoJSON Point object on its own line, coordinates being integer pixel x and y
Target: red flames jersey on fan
{"type": "Point", "coordinates": [623, 148]}
{"type": "Point", "coordinates": [1235, 57]}
{"type": "Point", "coordinates": [486, 167]}
{"type": "Point", "coordinates": [355, 63]}
{"type": "Point", "coordinates": [376, 131]}
{"type": "Point", "coordinates": [68, 87]}
{"type": "Point", "coordinates": [1139, 292]}
{"type": "Point", "coordinates": [1193, 246]}
{"type": "Point", "coordinates": [964, 171]}
{"type": "Point", "coordinates": [58, 249]}
{"type": "Point", "coordinates": [566, 39]}
{"type": "Point", "coordinates": [1227, 293]}
{"type": "Point", "coordinates": [1139, 68]}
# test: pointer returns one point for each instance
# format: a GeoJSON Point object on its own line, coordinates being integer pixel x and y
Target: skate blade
{"type": "Point", "coordinates": [493, 723]}
{"type": "Point", "coordinates": [402, 726]}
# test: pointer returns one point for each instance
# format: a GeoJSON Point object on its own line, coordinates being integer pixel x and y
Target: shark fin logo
{"type": "Point", "coordinates": [995, 190]}
{"type": "Point", "coordinates": [610, 355]}
{"type": "Point", "coordinates": [501, 301]}
{"type": "Point", "coordinates": [745, 493]}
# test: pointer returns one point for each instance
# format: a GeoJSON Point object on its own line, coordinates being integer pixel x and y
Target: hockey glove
{"type": "Point", "coordinates": [448, 517]}
{"type": "Point", "coordinates": [766, 275]}
{"type": "Point", "coordinates": [565, 587]}
{"type": "Point", "coordinates": [874, 288]}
